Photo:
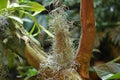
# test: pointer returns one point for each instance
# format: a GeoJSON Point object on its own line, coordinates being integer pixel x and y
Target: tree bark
{"type": "Point", "coordinates": [87, 38]}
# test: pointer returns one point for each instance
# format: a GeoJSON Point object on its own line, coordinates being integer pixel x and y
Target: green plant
{"type": "Point", "coordinates": [13, 31]}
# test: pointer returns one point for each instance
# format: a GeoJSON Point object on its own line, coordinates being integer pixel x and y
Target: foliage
{"type": "Point", "coordinates": [107, 19]}
{"type": "Point", "coordinates": [108, 71]}
{"type": "Point", "coordinates": [26, 14]}
{"type": "Point", "coordinates": [11, 26]}
{"type": "Point", "coordinates": [115, 76]}
{"type": "Point", "coordinates": [4, 4]}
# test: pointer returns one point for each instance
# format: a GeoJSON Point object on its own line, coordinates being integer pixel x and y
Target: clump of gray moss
{"type": "Point", "coordinates": [62, 55]}
{"type": "Point", "coordinates": [62, 43]}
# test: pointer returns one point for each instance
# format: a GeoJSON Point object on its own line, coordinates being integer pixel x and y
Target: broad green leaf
{"type": "Point", "coordinates": [32, 72]}
{"type": "Point", "coordinates": [3, 4]}
{"type": "Point", "coordinates": [107, 70]}
{"type": "Point", "coordinates": [115, 76]}
{"type": "Point", "coordinates": [34, 6]}
{"type": "Point", "coordinates": [30, 6]}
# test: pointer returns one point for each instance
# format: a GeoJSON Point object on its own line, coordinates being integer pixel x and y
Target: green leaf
{"type": "Point", "coordinates": [30, 6]}
{"type": "Point", "coordinates": [34, 6]}
{"type": "Point", "coordinates": [107, 70]}
{"type": "Point", "coordinates": [3, 4]}
{"type": "Point", "coordinates": [115, 76]}
{"type": "Point", "coordinates": [32, 72]}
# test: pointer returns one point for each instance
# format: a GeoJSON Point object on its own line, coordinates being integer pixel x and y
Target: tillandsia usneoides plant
{"type": "Point", "coordinates": [61, 59]}
{"type": "Point", "coordinates": [62, 44]}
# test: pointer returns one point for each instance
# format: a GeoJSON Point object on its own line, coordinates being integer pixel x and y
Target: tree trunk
{"type": "Point", "coordinates": [87, 38]}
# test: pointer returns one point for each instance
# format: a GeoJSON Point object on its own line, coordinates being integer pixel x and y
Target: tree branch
{"type": "Point", "coordinates": [87, 38]}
